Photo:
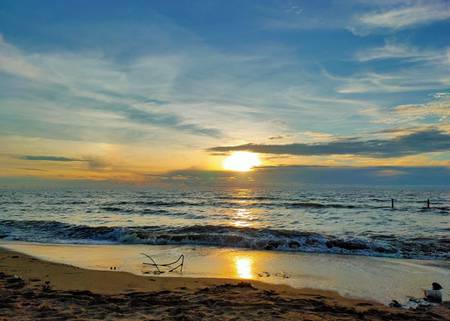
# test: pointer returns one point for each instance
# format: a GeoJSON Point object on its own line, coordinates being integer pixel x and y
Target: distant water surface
{"type": "Point", "coordinates": [332, 219]}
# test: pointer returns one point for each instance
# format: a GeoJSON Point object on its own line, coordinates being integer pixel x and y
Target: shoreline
{"type": "Point", "coordinates": [370, 278]}
{"type": "Point", "coordinates": [121, 295]}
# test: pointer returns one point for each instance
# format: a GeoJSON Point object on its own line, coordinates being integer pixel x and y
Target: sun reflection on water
{"type": "Point", "coordinates": [242, 218]}
{"type": "Point", "coordinates": [244, 267]}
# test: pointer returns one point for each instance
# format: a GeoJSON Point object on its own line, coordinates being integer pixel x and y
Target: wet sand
{"type": "Point", "coordinates": [33, 289]}
{"type": "Point", "coordinates": [373, 278]}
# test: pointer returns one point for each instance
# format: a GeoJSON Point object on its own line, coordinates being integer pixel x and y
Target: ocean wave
{"type": "Point", "coordinates": [227, 236]}
{"type": "Point", "coordinates": [154, 203]}
{"type": "Point", "coordinates": [151, 211]}
{"type": "Point", "coordinates": [248, 198]}
{"type": "Point", "coordinates": [116, 209]}
{"type": "Point", "coordinates": [261, 202]}
{"type": "Point", "coordinates": [319, 205]}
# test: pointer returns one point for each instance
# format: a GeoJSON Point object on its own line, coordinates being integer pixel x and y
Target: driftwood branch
{"type": "Point", "coordinates": [180, 264]}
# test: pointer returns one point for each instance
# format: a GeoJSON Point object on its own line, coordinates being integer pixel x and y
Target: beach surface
{"type": "Point", "coordinates": [374, 278]}
{"type": "Point", "coordinates": [33, 289]}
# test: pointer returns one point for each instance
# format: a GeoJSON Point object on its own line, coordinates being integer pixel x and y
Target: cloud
{"type": "Point", "coordinates": [50, 158]}
{"type": "Point", "coordinates": [301, 15]}
{"type": "Point", "coordinates": [163, 97]}
{"type": "Point", "coordinates": [391, 172]}
{"type": "Point", "coordinates": [415, 143]}
{"type": "Point", "coordinates": [410, 118]}
{"type": "Point", "coordinates": [12, 62]}
{"type": "Point", "coordinates": [393, 50]}
{"type": "Point", "coordinates": [439, 107]}
{"type": "Point", "coordinates": [164, 119]}
{"type": "Point", "coordinates": [93, 162]}
{"type": "Point", "coordinates": [422, 77]}
{"type": "Point", "coordinates": [299, 174]}
{"type": "Point", "coordinates": [273, 176]}
{"type": "Point", "coordinates": [134, 91]}
{"type": "Point", "coordinates": [277, 137]}
{"type": "Point", "coordinates": [402, 16]}
{"type": "Point", "coordinates": [396, 68]}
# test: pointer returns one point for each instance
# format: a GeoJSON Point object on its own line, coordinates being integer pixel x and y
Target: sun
{"type": "Point", "coordinates": [241, 161]}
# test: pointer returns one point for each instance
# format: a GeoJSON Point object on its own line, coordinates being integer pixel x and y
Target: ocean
{"type": "Point", "coordinates": [312, 219]}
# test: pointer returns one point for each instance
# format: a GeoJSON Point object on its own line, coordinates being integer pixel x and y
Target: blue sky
{"type": "Point", "coordinates": [128, 89]}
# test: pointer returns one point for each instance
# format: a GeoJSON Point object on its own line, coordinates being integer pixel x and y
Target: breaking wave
{"type": "Point", "coordinates": [226, 236]}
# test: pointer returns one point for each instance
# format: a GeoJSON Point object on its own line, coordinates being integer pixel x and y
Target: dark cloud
{"type": "Point", "coordinates": [220, 154]}
{"type": "Point", "coordinates": [279, 175]}
{"type": "Point", "coordinates": [93, 163]}
{"type": "Point", "coordinates": [264, 176]}
{"type": "Point", "coordinates": [277, 137]}
{"type": "Point", "coordinates": [33, 169]}
{"type": "Point", "coordinates": [50, 158]}
{"type": "Point", "coordinates": [425, 141]}
{"type": "Point", "coordinates": [97, 163]}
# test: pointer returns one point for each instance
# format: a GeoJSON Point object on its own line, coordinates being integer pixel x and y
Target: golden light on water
{"type": "Point", "coordinates": [241, 161]}
{"type": "Point", "coordinates": [244, 267]}
{"type": "Point", "coordinates": [242, 217]}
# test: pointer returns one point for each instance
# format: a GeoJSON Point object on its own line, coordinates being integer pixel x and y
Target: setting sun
{"type": "Point", "coordinates": [241, 161]}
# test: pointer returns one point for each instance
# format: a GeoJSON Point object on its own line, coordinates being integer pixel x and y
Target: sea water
{"type": "Point", "coordinates": [315, 219]}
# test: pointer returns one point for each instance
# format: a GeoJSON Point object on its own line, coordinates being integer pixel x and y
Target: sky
{"type": "Point", "coordinates": [154, 91]}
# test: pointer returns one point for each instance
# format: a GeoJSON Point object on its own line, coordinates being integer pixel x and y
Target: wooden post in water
{"type": "Point", "coordinates": [392, 203]}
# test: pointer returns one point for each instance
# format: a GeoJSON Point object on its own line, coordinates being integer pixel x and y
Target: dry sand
{"type": "Point", "coordinates": [32, 289]}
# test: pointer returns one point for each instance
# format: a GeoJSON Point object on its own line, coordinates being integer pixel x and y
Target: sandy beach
{"type": "Point", "coordinates": [33, 289]}
{"type": "Point", "coordinates": [374, 278]}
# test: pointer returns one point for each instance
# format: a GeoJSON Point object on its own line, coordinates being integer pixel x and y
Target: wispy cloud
{"type": "Point", "coordinates": [408, 80]}
{"type": "Point", "coordinates": [438, 107]}
{"type": "Point", "coordinates": [409, 118]}
{"type": "Point", "coordinates": [425, 71]}
{"type": "Point", "coordinates": [91, 80]}
{"type": "Point", "coordinates": [412, 144]}
{"type": "Point", "coordinates": [394, 50]}
{"type": "Point", "coordinates": [156, 96]}
{"type": "Point", "coordinates": [299, 15]}
{"type": "Point", "coordinates": [401, 16]}
{"type": "Point", "coordinates": [12, 62]}
{"type": "Point", "coordinates": [50, 158]}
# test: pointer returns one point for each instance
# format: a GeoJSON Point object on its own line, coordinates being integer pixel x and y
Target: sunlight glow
{"type": "Point", "coordinates": [244, 267]}
{"type": "Point", "coordinates": [241, 161]}
{"type": "Point", "coordinates": [242, 217]}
